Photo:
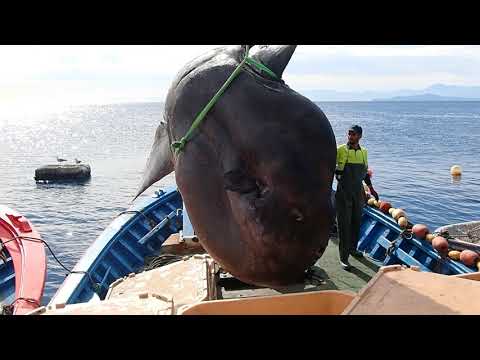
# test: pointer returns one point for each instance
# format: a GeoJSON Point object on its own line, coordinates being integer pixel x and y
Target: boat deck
{"type": "Point", "coordinates": [329, 275]}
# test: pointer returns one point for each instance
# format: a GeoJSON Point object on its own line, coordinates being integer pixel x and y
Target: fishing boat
{"type": "Point", "coordinates": [121, 249]}
{"type": "Point", "coordinates": [114, 277]}
{"type": "Point", "coordinates": [464, 235]}
{"type": "Point", "coordinates": [385, 243]}
{"type": "Point", "coordinates": [23, 264]}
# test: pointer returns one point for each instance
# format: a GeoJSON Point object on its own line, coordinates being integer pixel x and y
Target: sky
{"type": "Point", "coordinates": [37, 76]}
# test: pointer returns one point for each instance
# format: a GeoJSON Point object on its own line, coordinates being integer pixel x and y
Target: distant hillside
{"type": "Point", "coordinates": [454, 90]}
{"type": "Point", "coordinates": [437, 92]}
{"type": "Point", "coordinates": [426, 97]}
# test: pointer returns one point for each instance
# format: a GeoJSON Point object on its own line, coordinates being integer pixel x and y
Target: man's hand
{"type": "Point", "coordinates": [373, 192]}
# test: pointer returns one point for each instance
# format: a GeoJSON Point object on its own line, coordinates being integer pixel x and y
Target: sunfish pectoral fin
{"type": "Point", "coordinates": [160, 161]}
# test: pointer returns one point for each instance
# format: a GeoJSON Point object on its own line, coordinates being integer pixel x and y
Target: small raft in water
{"type": "Point", "coordinates": [77, 172]}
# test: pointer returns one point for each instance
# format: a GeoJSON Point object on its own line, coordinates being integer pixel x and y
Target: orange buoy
{"type": "Point", "coordinates": [420, 230]}
{"type": "Point", "coordinates": [385, 206]}
{"type": "Point", "coordinates": [440, 244]}
{"type": "Point", "coordinates": [468, 257]}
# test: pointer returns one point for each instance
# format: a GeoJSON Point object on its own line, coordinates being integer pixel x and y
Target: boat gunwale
{"type": "Point", "coordinates": [20, 251]}
{"type": "Point", "coordinates": [422, 245]}
{"type": "Point", "coordinates": [97, 250]}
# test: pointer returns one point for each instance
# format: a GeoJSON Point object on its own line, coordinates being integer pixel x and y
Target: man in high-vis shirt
{"type": "Point", "coordinates": [351, 171]}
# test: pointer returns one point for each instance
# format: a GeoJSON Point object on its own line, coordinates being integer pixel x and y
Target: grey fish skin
{"type": "Point", "coordinates": [256, 177]}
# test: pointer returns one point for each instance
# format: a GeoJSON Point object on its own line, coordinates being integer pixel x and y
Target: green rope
{"type": "Point", "coordinates": [260, 66]}
{"type": "Point", "coordinates": [178, 146]}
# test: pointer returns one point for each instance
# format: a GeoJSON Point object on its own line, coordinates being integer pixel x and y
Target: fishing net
{"type": "Point", "coordinates": [469, 231]}
{"type": "Point", "coordinates": [153, 262]}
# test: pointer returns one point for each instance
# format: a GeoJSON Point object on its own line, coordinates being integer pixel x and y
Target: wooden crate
{"type": "Point", "coordinates": [141, 304]}
{"type": "Point", "coordinates": [328, 302]}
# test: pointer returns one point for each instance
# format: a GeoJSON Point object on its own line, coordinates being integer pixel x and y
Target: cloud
{"type": "Point", "coordinates": [82, 74]}
{"type": "Point", "coordinates": [362, 68]}
{"type": "Point", "coordinates": [309, 51]}
{"type": "Point", "coordinates": [39, 60]}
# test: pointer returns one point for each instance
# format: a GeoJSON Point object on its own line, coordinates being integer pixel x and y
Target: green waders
{"type": "Point", "coordinates": [349, 203]}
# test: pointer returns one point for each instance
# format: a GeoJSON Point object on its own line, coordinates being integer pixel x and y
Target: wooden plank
{"type": "Point", "coordinates": [401, 291]}
{"type": "Point", "coordinates": [328, 302]}
{"type": "Point", "coordinates": [470, 276]}
{"type": "Point", "coordinates": [141, 304]}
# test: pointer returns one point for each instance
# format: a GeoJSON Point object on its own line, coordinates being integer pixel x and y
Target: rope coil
{"type": "Point", "coordinates": [161, 260]}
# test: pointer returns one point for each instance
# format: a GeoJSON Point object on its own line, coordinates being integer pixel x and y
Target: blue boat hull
{"type": "Point", "coordinates": [122, 247]}
{"type": "Point", "coordinates": [381, 239]}
{"type": "Point", "coordinates": [7, 282]}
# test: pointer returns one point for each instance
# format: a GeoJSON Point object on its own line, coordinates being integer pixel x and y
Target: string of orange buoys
{"type": "Point", "coordinates": [421, 232]}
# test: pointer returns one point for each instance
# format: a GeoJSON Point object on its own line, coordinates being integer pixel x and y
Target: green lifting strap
{"type": "Point", "coordinates": [178, 146]}
{"type": "Point", "coordinates": [260, 66]}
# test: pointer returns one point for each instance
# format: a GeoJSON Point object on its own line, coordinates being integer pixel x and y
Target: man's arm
{"type": "Point", "coordinates": [341, 159]}
{"type": "Point", "coordinates": [368, 181]}
{"type": "Point", "coordinates": [367, 178]}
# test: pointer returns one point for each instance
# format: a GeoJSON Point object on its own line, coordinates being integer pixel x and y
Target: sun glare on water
{"type": "Point", "coordinates": [32, 111]}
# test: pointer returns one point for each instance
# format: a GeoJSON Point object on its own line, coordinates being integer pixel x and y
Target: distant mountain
{"type": "Point", "coordinates": [454, 90]}
{"type": "Point", "coordinates": [333, 95]}
{"type": "Point", "coordinates": [471, 93]}
{"type": "Point", "coordinates": [426, 97]}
